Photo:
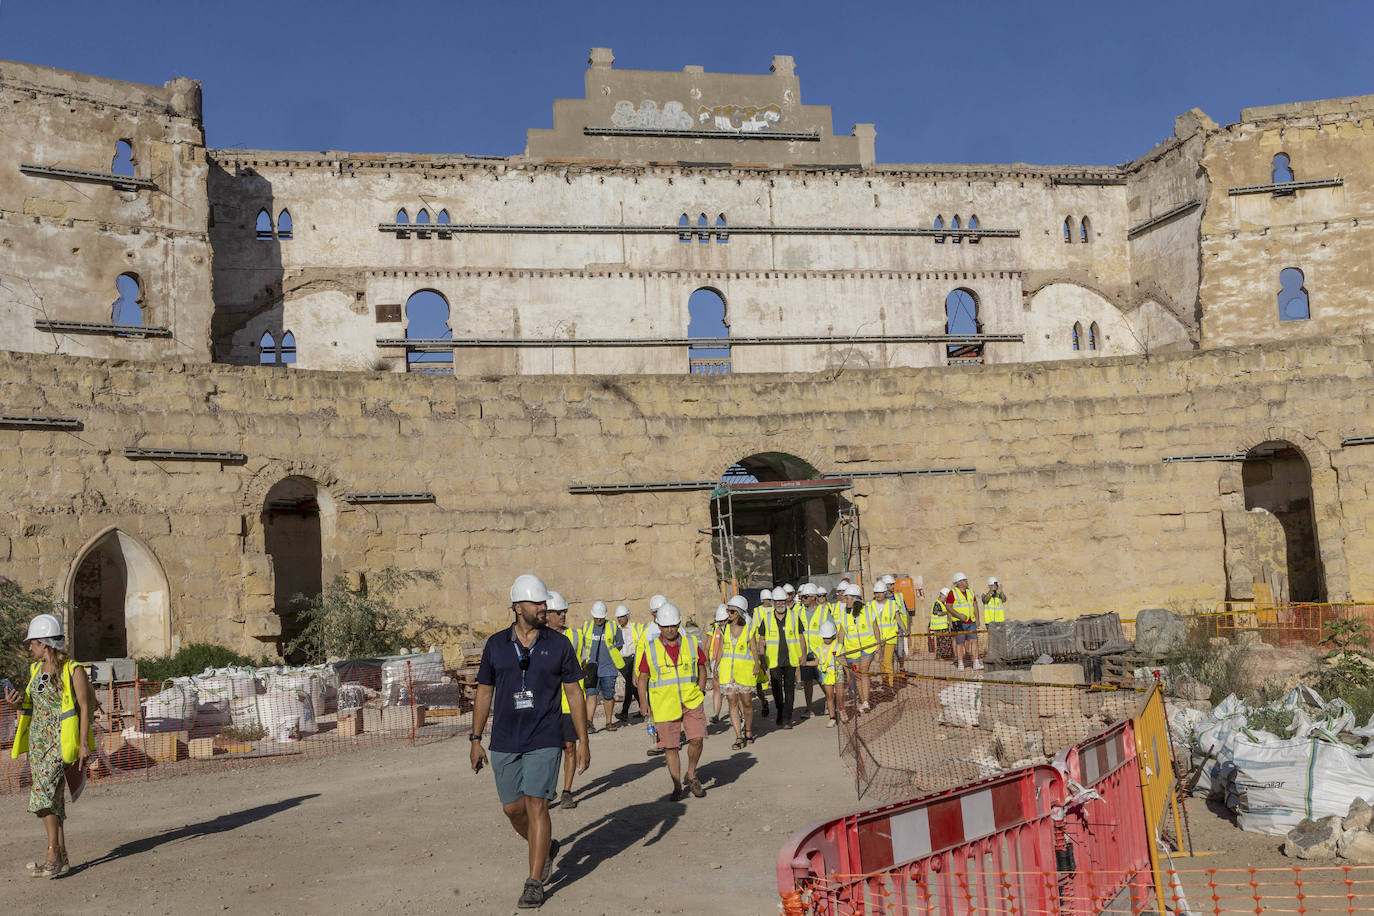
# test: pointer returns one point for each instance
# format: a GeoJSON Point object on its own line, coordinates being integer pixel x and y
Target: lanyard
{"type": "Point", "coordinates": [523, 658]}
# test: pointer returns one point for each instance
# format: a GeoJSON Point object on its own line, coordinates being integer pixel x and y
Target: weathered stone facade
{"type": "Point", "coordinates": [1071, 503]}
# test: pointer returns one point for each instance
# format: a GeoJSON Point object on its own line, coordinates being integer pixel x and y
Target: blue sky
{"type": "Point", "coordinates": [1046, 82]}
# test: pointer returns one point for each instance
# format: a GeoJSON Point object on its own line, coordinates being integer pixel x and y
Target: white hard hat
{"type": "Point", "coordinates": [944, 593]}
{"type": "Point", "coordinates": [45, 626]}
{"type": "Point", "coordinates": [789, 589]}
{"type": "Point", "coordinates": [992, 580]}
{"type": "Point", "coordinates": [669, 615]}
{"type": "Point", "coordinates": [599, 610]}
{"type": "Point", "coordinates": [556, 601]}
{"type": "Point", "coordinates": [890, 579]}
{"type": "Point", "coordinates": [853, 591]}
{"type": "Point", "coordinates": [960, 577]}
{"type": "Point", "coordinates": [880, 586]}
{"type": "Point", "coordinates": [739, 603]}
{"type": "Point", "coordinates": [844, 582]}
{"type": "Point", "coordinates": [779, 594]}
{"type": "Point", "coordinates": [806, 588]}
{"type": "Point", "coordinates": [622, 611]}
{"type": "Point", "coordinates": [722, 613]}
{"type": "Point", "coordinates": [656, 602]}
{"type": "Point", "coordinates": [529, 587]}
{"type": "Point", "coordinates": [828, 629]}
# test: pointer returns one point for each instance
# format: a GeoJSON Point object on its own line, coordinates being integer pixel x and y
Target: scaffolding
{"type": "Point", "coordinates": [743, 509]}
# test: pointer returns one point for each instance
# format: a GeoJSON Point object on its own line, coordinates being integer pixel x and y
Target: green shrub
{"type": "Point", "coordinates": [193, 659]}
{"type": "Point", "coordinates": [17, 607]}
{"type": "Point", "coordinates": [1216, 666]}
{"type": "Point", "coordinates": [363, 620]}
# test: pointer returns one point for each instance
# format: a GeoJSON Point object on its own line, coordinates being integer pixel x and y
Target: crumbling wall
{"type": "Point", "coordinates": [1071, 505]}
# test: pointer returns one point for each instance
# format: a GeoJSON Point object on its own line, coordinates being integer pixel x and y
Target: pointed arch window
{"type": "Point", "coordinates": [1093, 338]}
{"type": "Point", "coordinates": [703, 224]}
{"type": "Point", "coordinates": [973, 224]}
{"type": "Point", "coordinates": [1077, 336]}
{"type": "Point", "coordinates": [264, 225]}
{"type": "Point", "coordinates": [123, 162]}
{"type": "Point", "coordinates": [1085, 232]}
{"type": "Point", "coordinates": [402, 216]}
{"type": "Point", "coordinates": [955, 224]}
{"type": "Point", "coordinates": [721, 235]}
{"type": "Point", "coordinates": [1068, 230]}
{"type": "Point", "coordinates": [422, 218]}
{"type": "Point", "coordinates": [288, 348]}
{"type": "Point", "coordinates": [443, 218]}
{"type": "Point", "coordinates": [939, 224]}
{"type": "Point", "coordinates": [284, 228]}
{"type": "Point", "coordinates": [267, 349]}
{"type": "Point", "coordinates": [684, 224]}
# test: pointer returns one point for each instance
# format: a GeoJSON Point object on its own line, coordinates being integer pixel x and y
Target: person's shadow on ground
{"type": "Point", "coordinates": [717, 773]}
{"type": "Point", "coordinates": [221, 824]}
{"type": "Point", "coordinates": [616, 778]}
{"type": "Point", "coordinates": [611, 834]}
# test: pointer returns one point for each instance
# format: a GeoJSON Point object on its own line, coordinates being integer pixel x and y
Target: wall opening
{"type": "Point", "coordinates": [1282, 169]}
{"type": "Point", "coordinates": [443, 218]}
{"type": "Point", "coordinates": [119, 601]}
{"type": "Point", "coordinates": [264, 226]}
{"type": "Point", "coordinates": [939, 224]}
{"type": "Point", "coordinates": [1278, 483]}
{"type": "Point", "coordinates": [123, 162]}
{"type": "Point", "coordinates": [128, 308]}
{"type": "Point", "coordinates": [293, 539]}
{"type": "Point", "coordinates": [284, 225]}
{"type": "Point", "coordinates": [1293, 302]}
{"type": "Point", "coordinates": [427, 319]}
{"type": "Point", "coordinates": [288, 348]}
{"type": "Point", "coordinates": [1093, 340]}
{"type": "Point", "coordinates": [267, 350]}
{"type": "Point", "coordinates": [961, 317]}
{"type": "Point", "coordinates": [1085, 232]}
{"type": "Point", "coordinates": [706, 318]}
{"type": "Point", "coordinates": [1077, 336]}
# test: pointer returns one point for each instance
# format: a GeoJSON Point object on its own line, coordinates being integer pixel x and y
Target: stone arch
{"type": "Point", "coordinates": [254, 495]}
{"type": "Point", "coordinates": [1328, 518]}
{"type": "Point", "coordinates": [118, 599]}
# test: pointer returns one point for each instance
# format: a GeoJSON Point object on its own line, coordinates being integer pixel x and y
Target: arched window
{"type": "Point", "coordinates": [264, 229]}
{"type": "Point", "coordinates": [284, 225]}
{"type": "Point", "coordinates": [1077, 336]}
{"type": "Point", "coordinates": [422, 218]}
{"type": "Point", "coordinates": [961, 317]}
{"type": "Point", "coordinates": [955, 224]}
{"type": "Point", "coordinates": [684, 222]}
{"type": "Point", "coordinates": [427, 319]}
{"type": "Point", "coordinates": [443, 218]}
{"type": "Point", "coordinates": [1283, 169]}
{"type": "Point", "coordinates": [1068, 230]}
{"type": "Point", "coordinates": [939, 224]}
{"type": "Point", "coordinates": [1293, 302]}
{"type": "Point", "coordinates": [128, 308]}
{"type": "Point", "coordinates": [1093, 338]}
{"type": "Point", "coordinates": [267, 350]}
{"type": "Point", "coordinates": [702, 224]}
{"type": "Point", "coordinates": [721, 235]}
{"type": "Point", "coordinates": [402, 216]}
{"type": "Point", "coordinates": [706, 319]}
{"type": "Point", "coordinates": [973, 224]}
{"type": "Point", "coordinates": [123, 162]}
{"type": "Point", "coordinates": [288, 348]}
{"type": "Point", "coordinates": [1085, 231]}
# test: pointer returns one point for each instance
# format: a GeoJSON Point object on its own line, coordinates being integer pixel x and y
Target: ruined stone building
{"type": "Point", "coordinates": [692, 334]}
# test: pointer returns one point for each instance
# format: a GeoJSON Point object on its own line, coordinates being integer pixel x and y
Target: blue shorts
{"type": "Point", "coordinates": [603, 687]}
{"type": "Point", "coordinates": [810, 673]}
{"type": "Point", "coordinates": [964, 631]}
{"type": "Point", "coordinates": [533, 773]}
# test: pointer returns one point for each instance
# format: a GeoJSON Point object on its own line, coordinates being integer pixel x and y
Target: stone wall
{"type": "Point", "coordinates": [1071, 506]}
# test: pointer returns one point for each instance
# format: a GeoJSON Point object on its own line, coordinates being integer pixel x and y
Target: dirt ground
{"type": "Point", "coordinates": [413, 830]}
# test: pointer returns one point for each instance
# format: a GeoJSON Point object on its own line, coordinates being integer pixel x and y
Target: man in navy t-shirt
{"type": "Point", "coordinates": [524, 671]}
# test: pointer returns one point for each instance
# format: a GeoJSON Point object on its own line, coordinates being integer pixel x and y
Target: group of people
{"type": "Point", "coordinates": [540, 682]}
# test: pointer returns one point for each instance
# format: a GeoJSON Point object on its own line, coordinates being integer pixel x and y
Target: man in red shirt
{"type": "Point", "coordinates": [672, 685]}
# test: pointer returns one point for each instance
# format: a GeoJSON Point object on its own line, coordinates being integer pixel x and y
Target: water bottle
{"type": "Point", "coordinates": [653, 732]}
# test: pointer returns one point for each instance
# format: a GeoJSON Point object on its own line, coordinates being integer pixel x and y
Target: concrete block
{"type": "Point", "coordinates": [201, 748]}
{"type": "Point", "coordinates": [350, 723]}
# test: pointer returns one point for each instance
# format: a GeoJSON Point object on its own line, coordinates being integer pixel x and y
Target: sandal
{"type": "Point", "coordinates": [738, 745]}
{"type": "Point", "coordinates": [748, 739]}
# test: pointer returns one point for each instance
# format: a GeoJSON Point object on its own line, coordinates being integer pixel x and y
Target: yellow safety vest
{"type": "Point", "coordinates": [673, 688]}
{"type": "Point", "coordinates": [714, 637]}
{"type": "Point", "coordinates": [70, 717]}
{"type": "Point", "coordinates": [772, 634]}
{"type": "Point", "coordinates": [993, 610]}
{"type": "Point", "coordinates": [819, 615]}
{"type": "Point", "coordinates": [574, 637]}
{"type": "Point", "coordinates": [828, 660]}
{"type": "Point", "coordinates": [637, 630]}
{"type": "Point", "coordinates": [888, 615]}
{"type": "Point", "coordinates": [939, 617]}
{"type": "Point", "coordinates": [755, 629]}
{"type": "Point", "coordinates": [964, 604]}
{"type": "Point", "coordinates": [858, 634]}
{"type": "Point", "coordinates": [737, 662]}
{"type": "Point", "coordinates": [585, 656]}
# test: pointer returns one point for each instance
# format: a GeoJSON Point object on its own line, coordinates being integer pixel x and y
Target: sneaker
{"type": "Point", "coordinates": [864, 707]}
{"type": "Point", "coordinates": [532, 898]}
{"type": "Point", "coordinates": [959, 665]}
{"type": "Point", "coordinates": [977, 665]}
{"type": "Point", "coordinates": [567, 801]}
{"type": "Point", "coordinates": [695, 785]}
{"type": "Point", "coordinates": [548, 862]}
{"type": "Point", "coordinates": [678, 794]}
{"type": "Point", "coordinates": [654, 752]}
{"type": "Point", "coordinates": [829, 723]}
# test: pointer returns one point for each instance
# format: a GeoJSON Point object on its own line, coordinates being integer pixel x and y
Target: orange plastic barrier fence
{"type": "Point", "coordinates": [1286, 625]}
{"type": "Point", "coordinates": [150, 730]}
{"type": "Point", "coordinates": [1196, 891]}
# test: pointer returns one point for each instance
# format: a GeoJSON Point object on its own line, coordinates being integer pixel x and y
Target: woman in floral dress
{"type": "Point", "coordinates": [55, 681]}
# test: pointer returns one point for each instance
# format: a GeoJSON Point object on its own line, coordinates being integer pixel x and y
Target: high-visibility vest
{"type": "Point", "coordinates": [589, 643]}
{"type": "Point", "coordinates": [69, 718]}
{"type": "Point", "coordinates": [817, 616]}
{"type": "Point", "coordinates": [574, 637]}
{"type": "Point", "coordinates": [888, 616]}
{"type": "Point", "coordinates": [737, 662]}
{"type": "Point", "coordinates": [828, 660]}
{"type": "Point", "coordinates": [673, 688]}
{"type": "Point", "coordinates": [715, 635]}
{"type": "Point", "coordinates": [637, 636]}
{"type": "Point", "coordinates": [965, 605]}
{"type": "Point", "coordinates": [939, 617]}
{"type": "Point", "coordinates": [994, 610]}
{"type": "Point", "coordinates": [858, 633]}
{"type": "Point", "coordinates": [773, 634]}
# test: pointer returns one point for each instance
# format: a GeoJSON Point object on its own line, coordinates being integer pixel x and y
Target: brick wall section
{"type": "Point", "coordinates": [1071, 507]}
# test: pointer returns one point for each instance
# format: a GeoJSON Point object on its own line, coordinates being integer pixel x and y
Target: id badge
{"type": "Point", "coordinates": [524, 699]}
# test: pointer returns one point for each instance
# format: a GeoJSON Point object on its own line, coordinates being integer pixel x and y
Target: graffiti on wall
{"type": "Point", "coordinates": [672, 116]}
{"type": "Point", "coordinates": [747, 119]}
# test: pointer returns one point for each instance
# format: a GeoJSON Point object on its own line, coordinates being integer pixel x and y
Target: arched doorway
{"type": "Point", "coordinates": [775, 518]}
{"type": "Point", "coordinates": [1281, 526]}
{"type": "Point", "coordinates": [294, 538]}
{"type": "Point", "coordinates": [118, 596]}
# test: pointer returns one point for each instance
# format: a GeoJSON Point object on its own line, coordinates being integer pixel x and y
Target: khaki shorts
{"type": "Point", "coordinates": [693, 722]}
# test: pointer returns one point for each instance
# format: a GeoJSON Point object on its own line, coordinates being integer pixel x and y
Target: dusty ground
{"type": "Point", "coordinates": [413, 830]}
